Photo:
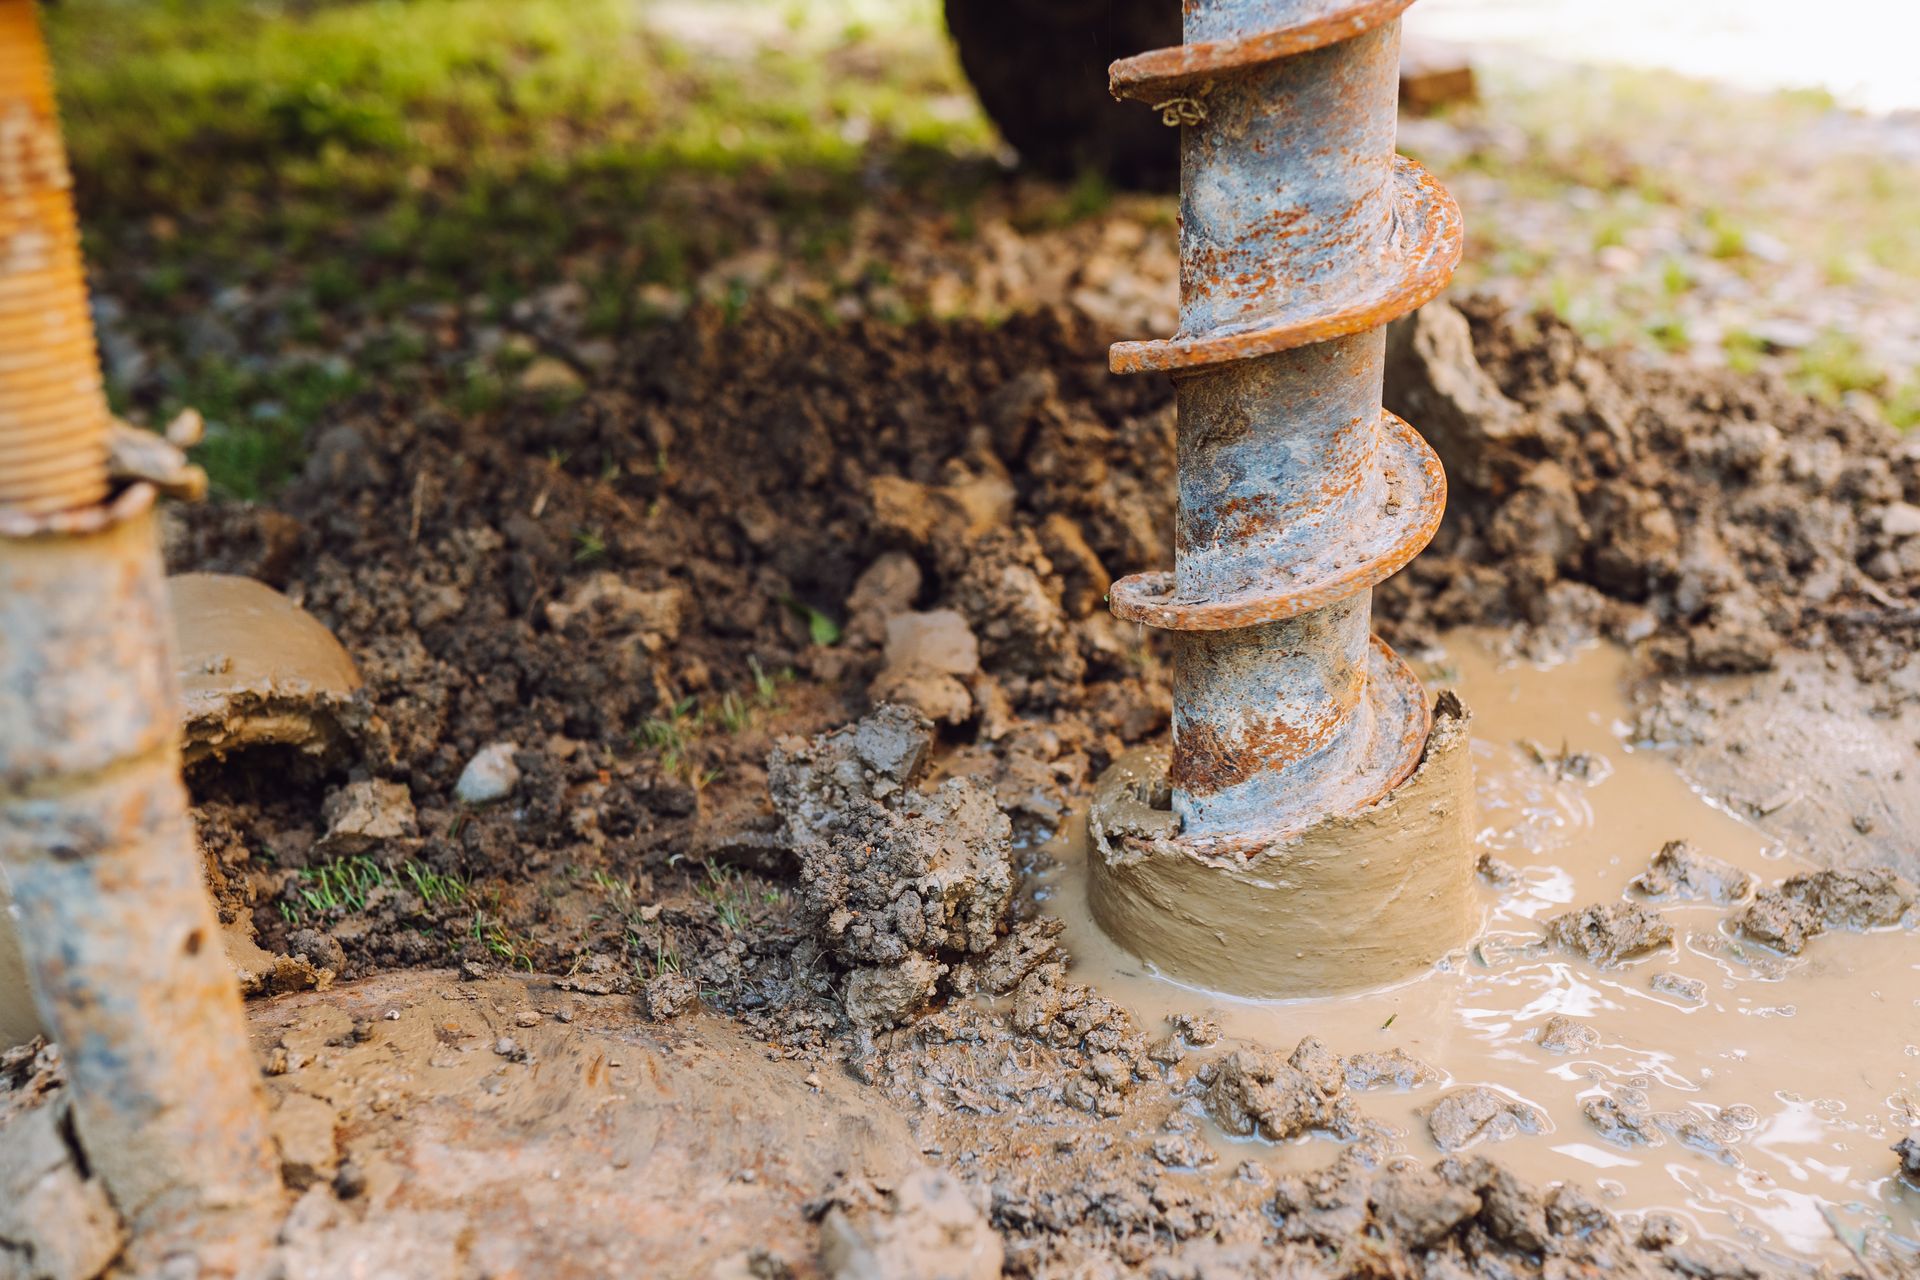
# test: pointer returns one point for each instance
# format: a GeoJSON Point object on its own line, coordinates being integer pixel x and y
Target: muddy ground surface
{"type": "Point", "coordinates": [749, 531]}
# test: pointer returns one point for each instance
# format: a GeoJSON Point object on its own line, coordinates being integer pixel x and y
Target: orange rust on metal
{"type": "Point", "coordinates": [1302, 235]}
{"type": "Point", "coordinates": [1152, 598]}
{"type": "Point", "coordinates": [1151, 76]}
{"type": "Point", "coordinates": [1425, 264]}
{"type": "Point", "coordinates": [53, 412]}
{"type": "Point", "coordinates": [1405, 746]}
{"type": "Point", "coordinates": [1210, 761]}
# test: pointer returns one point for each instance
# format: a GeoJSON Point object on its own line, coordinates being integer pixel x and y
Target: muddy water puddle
{"type": "Point", "coordinates": [1774, 1093]}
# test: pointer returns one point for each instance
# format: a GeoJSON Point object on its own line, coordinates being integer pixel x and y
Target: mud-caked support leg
{"type": "Point", "coordinates": [97, 848]}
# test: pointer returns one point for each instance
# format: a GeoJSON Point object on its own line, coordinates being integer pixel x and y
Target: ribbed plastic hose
{"type": "Point", "coordinates": [53, 412]}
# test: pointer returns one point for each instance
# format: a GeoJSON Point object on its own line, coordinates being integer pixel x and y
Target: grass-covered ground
{"type": "Point", "coordinates": [286, 202]}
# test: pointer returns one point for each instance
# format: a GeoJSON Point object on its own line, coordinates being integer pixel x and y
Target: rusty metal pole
{"type": "Point", "coordinates": [1301, 235]}
{"type": "Point", "coordinates": [96, 846]}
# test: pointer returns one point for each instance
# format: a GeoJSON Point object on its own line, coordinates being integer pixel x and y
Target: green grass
{"type": "Point", "coordinates": [343, 887]}
{"type": "Point", "coordinates": [357, 158]}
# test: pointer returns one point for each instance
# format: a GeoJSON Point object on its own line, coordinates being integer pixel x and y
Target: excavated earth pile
{"type": "Point", "coordinates": [664, 611]}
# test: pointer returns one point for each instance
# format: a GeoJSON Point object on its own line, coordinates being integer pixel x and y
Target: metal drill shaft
{"type": "Point", "coordinates": [1301, 235]}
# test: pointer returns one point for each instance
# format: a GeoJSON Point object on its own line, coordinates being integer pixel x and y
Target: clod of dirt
{"type": "Point", "coordinates": [1393, 1068]}
{"type": "Point", "coordinates": [56, 1222]}
{"type": "Point", "coordinates": [1418, 1207]}
{"type": "Point", "coordinates": [884, 995]}
{"type": "Point", "coordinates": [1908, 1149]}
{"type": "Point", "coordinates": [606, 603]}
{"type": "Point", "coordinates": [668, 995]}
{"type": "Point", "coordinates": [491, 775]}
{"type": "Point", "coordinates": [930, 1228]}
{"type": "Point", "coordinates": [364, 815]}
{"type": "Point", "coordinates": [1476, 1113]}
{"type": "Point", "coordinates": [55, 1218]}
{"type": "Point", "coordinates": [1679, 873]}
{"type": "Point", "coordinates": [1609, 933]}
{"type": "Point", "coordinates": [929, 658]}
{"type": "Point", "coordinates": [816, 784]}
{"type": "Point", "coordinates": [1252, 1092]}
{"type": "Point", "coordinates": [1562, 1034]}
{"type": "Point", "coordinates": [256, 669]}
{"type": "Point", "coordinates": [1813, 902]}
{"type": "Point", "coordinates": [303, 1130]}
{"type": "Point", "coordinates": [892, 878]}
{"type": "Point", "coordinates": [1622, 1125]}
{"type": "Point", "coordinates": [1691, 990]}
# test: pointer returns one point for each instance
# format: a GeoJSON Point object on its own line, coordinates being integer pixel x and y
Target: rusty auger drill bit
{"type": "Point", "coordinates": [1301, 235]}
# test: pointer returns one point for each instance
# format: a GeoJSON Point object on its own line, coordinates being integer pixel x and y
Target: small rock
{"type": "Point", "coordinates": [549, 374]}
{"type": "Point", "coordinates": [1608, 933]}
{"type": "Point", "coordinates": [527, 1018]}
{"type": "Point", "coordinates": [363, 815]}
{"type": "Point", "coordinates": [349, 1181]}
{"type": "Point", "coordinates": [1908, 1149]}
{"type": "Point", "coordinates": [1677, 872]}
{"type": "Point", "coordinates": [510, 1049]}
{"type": "Point", "coordinates": [668, 995]}
{"type": "Point", "coordinates": [1622, 1125]}
{"type": "Point", "coordinates": [1467, 1116]}
{"type": "Point", "coordinates": [1900, 520]}
{"type": "Point", "coordinates": [1562, 1034]}
{"type": "Point", "coordinates": [322, 950]}
{"type": "Point", "coordinates": [491, 775]}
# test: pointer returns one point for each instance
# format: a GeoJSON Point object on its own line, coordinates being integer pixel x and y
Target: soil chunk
{"type": "Point", "coordinates": [1418, 1207]}
{"type": "Point", "coordinates": [1562, 1034]}
{"type": "Point", "coordinates": [1609, 933]}
{"type": "Point", "coordinates": [929, 659]}
{"type": "Point", "coordinates": [55, 1220]}
{"type": "Point", "coordinates": [668, 995]}
{"type": "Point", "coordinates": [1678, 872]}
{"type": "Point", "coordinates": [1393, 1068]}
{"type": "Point", "coordinates": [892, 878]}
{"type": "Point", "coordinates": [363, 815]}
{"type": "Point", "coordinates": [929, 1228]}
{"type": "Point", "coordinates": [1908, 1149]}
{"type": "Point", "coordinates": [1809, 904]}
{"type": "Point", "coordinates": [1255, 1092]}
{"type": "Point", "coordinates": [1690, 990]}
{"type": "Point", "coordinates": [1476, 1113]}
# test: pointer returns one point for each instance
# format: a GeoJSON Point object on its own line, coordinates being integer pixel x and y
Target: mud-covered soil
{"type": "Point", "coordinates": [743, 530]}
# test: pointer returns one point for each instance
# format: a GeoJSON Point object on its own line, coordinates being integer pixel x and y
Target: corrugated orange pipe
{"type": "Point", "coordinates": [53, 412]}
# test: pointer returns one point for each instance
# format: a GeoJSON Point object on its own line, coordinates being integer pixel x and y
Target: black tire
{"type": "Point", "coordinates": [1040, 70]}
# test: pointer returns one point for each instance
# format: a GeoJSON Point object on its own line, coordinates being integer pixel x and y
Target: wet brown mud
{"type": "Point", "coordinates": [747, 530]}
{"type": "Point", "coordinates": [1751, 1095]}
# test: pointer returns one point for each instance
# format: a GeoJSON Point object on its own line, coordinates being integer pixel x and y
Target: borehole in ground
{"type": "Point", "coordinates": [1770, 1099]}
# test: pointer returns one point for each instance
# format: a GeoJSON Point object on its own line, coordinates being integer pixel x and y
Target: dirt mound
{"type": "Point", "coordinates": [747, 528]}
{"type": "Point", "coordinates": [1710, 517]}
